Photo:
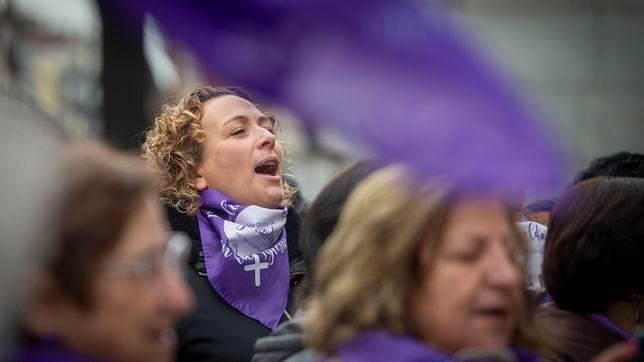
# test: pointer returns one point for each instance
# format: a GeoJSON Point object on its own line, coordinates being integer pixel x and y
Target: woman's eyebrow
{"type": "Point", "coordinates": [244, 119]}
{"type": "Point", "coordinates": [264, 118]}
{"type": "Point", "coordinates": [476, 238]}
{"type": "Point", "coordinates": [238, 118]}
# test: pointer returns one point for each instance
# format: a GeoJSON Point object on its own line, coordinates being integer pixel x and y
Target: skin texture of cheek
{"type": "Point", "coordinates": [440, 318]}
{"type": "Point", "coordinates": [225, 167]}
{"type": "Point", "coordinates": [123, 326]}
{"type": "Point", "coordinates": [444, 310]}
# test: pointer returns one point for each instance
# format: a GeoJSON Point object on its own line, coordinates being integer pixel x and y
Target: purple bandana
{"type": "Point", "coordinates": [381, 346]}
{"type": "Point", "coordinates": [246, 256]}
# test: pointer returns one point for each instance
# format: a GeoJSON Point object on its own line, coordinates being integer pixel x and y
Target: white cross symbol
{"type": "Point", "coordinates": [256, 267]}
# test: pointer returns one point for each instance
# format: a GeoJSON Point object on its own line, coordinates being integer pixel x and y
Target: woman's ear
{"type": "Point", "coordinates": [41, 306]}
{"type": "Point", "coordinates": [200, 180]}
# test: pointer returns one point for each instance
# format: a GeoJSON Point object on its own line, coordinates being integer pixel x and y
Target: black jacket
{"type": "Point", "coordinates": [215, 331]}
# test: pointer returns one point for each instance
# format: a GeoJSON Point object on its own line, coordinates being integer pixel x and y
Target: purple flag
{"type": "Point", "coordinates": [394, 76]}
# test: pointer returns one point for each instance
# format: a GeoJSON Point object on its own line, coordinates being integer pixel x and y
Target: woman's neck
{"type": "Point", "coordinates": [622, 314]}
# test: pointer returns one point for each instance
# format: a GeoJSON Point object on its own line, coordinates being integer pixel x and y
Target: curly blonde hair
{"type": "Point", "coordinates": [173, 147]}
{"type": "Point", "coordinates": [369, 265]}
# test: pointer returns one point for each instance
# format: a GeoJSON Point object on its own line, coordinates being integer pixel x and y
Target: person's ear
{"type": "Point", "coordinates": [200, 180]}
{"type": "Point", "coordinates": [41, 308]}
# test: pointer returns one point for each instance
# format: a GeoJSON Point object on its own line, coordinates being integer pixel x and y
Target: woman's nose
{"type": "Point", "coordinates": [502, 270]}
{"type": "Point", "coordinates": [266, 138]}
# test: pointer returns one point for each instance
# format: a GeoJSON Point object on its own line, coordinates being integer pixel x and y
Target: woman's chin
{"type": "Point", "coordinates": [271, 199]}
{"type": "Point", "coordinates": [490, 340]}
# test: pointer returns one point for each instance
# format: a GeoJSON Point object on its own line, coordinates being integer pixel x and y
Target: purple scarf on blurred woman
{"type": "Point", "coordinates": [381, 346]}
{"type": "Point", "coordinates": [246, 255]}
{"type": "Point", "coordinates": [48, 350]}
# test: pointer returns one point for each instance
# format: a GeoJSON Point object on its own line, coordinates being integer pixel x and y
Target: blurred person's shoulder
{"type": "Point", "coordinates": [571, 336]}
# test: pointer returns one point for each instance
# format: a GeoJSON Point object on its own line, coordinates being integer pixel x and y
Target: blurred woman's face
{"type": "Point", "coordinates": [241, 157]}
{"type": "Point", "coordinates": [136, 299]}
{"type": "Point", "coordinates": [470, 292]}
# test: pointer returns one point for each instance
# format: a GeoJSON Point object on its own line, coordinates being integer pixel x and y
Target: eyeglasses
{"type": "Point", "coordinates": [152, 265]}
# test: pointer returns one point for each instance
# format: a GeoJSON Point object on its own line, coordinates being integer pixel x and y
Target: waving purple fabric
{"type": "Point", "coordinates": [246, 255]}
{"type": "Point", "coordinates": [393, 75]}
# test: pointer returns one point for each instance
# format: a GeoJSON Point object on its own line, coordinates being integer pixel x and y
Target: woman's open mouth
{"type": "Point", "coordinates": [495, 315]}
{"type": "Point", "coordinates": [165, 338]}
{"type": "Point", "coordinates": [268, 166]}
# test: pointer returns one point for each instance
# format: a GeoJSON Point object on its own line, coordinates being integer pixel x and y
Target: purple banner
{"type": "Point", "coordinates": [394, 76]}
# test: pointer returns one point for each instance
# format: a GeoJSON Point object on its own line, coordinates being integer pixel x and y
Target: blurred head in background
{"type": "Point", "coordinates": [621, 164]}
{"type": "Point", "coordinates": [110, 287]}
{"type": "Point", "coordinates": [591, 267]}
{"type": "Point", "coordinates": [539, 211]}
{"type": "Point", "coordinates": [217, 138]}
{"type": "Point", "coordinates": [323, 214]}
{"type": "Point", "coordinates": [424, 260]}
{"type": "Point", "coordinates": [595, 245]}
{"type": "Point", "coordinates": [30, 157]}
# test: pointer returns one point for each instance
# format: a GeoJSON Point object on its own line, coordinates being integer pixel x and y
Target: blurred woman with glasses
{"type": "Point", "coordinates": [109, 287]}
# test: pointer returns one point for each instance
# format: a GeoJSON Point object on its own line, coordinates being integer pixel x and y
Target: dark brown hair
{"type": "Point", "coordinates": [322, 216]}
{"type": "Point", "coordinates": [103, 189]}
{"type": "Point", "coordinates": [595, 244]}
{"type": "Point", "coordinates": [621, 164]}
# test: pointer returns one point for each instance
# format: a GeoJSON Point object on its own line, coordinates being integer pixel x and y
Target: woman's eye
{"type": "Point", "coordinates": [143, 270]}
{"type": "Point", "coordinates": [270, 129]}
{"type": "Point", "coordinates": [516, 256]}
{"type": "Point", "coordinates": [237, 132]}
{"type": "Point", "coordinates": [468, 257]}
